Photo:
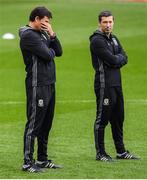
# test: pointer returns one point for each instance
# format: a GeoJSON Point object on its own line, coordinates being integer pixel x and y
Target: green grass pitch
{"type": "Point", "coordinates": [71, 141]}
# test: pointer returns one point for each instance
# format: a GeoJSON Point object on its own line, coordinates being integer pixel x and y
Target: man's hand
{"type": "Point", "coordinates": [48, 28]}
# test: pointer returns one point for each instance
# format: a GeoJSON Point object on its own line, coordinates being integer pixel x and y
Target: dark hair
{"type": "Point", "coordinates": [104, 14]}
{"type": "Point", "coordinates": [40, 12]}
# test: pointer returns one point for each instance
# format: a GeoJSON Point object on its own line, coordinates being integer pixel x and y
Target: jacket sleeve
{"type": "Point", "coordinates": [100, 49]}
{"type": "Point", "coordinates": [53, 43]}
{"type": "Point", "coordinates": [122, 52]}
{"type": "Point", "coordinates": [32, 42]}
{"type": "Point", "coordinates": [56, 46]}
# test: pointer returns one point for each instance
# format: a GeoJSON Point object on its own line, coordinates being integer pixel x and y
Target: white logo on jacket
{"type": "Point", "coordinates": [40, 103]}
{"type": "Point", "coordinates": [106, 102]}
{"type": "Point", "coordinates": [115, 42]}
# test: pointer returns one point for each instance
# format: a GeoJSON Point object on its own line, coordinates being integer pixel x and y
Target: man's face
{"type": "Point", "coordinates": [39, 22]}
{"type": "Point", "coordinates": [106, 24]}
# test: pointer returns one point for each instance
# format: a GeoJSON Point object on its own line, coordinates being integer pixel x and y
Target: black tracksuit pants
{"type": "Point", "coordinates": [110, 108]}
{"type": "Point", "coordinates": [40, 112]}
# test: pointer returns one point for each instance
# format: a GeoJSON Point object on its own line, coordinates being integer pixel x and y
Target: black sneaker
{"type": "Point", "coordinates": [32, 168]}
{"type": "Point", "coordinates": [47, 164]}
{"type": "Point", "coordinates": [103, 157]}
{"type": "Point", "coordinates": [126, 155]}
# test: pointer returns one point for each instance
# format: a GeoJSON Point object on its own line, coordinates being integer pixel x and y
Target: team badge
{"type": "Point", "coordinates": [106, 102]}
{"type": "Point", "coordinates": [115, 42]}
{"type": "Point", "coordinates": [40, 103]}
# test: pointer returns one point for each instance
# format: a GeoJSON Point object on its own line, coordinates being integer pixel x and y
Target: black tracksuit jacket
{"type": "Point", "coordinates": [38, 51]}
{"type": "Point", "coordinates": [108, 57]}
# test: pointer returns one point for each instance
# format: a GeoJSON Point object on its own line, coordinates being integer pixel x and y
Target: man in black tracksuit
{"type": "Point", "coordinates": [39, 45]}
{"type": "Point", "coordinates": [108, 57]}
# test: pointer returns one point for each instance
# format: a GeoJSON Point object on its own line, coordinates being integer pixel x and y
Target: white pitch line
{"type": "Point", "coordinates": [11, 102]}
{"type": "Point", "coordinates": [136, 101]}
{"type": "Point", "coordinates": [76, 101]}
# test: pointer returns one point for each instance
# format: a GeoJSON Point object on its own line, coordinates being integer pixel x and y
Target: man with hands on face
{"type": "Point", "coordinates": [39, 46]}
